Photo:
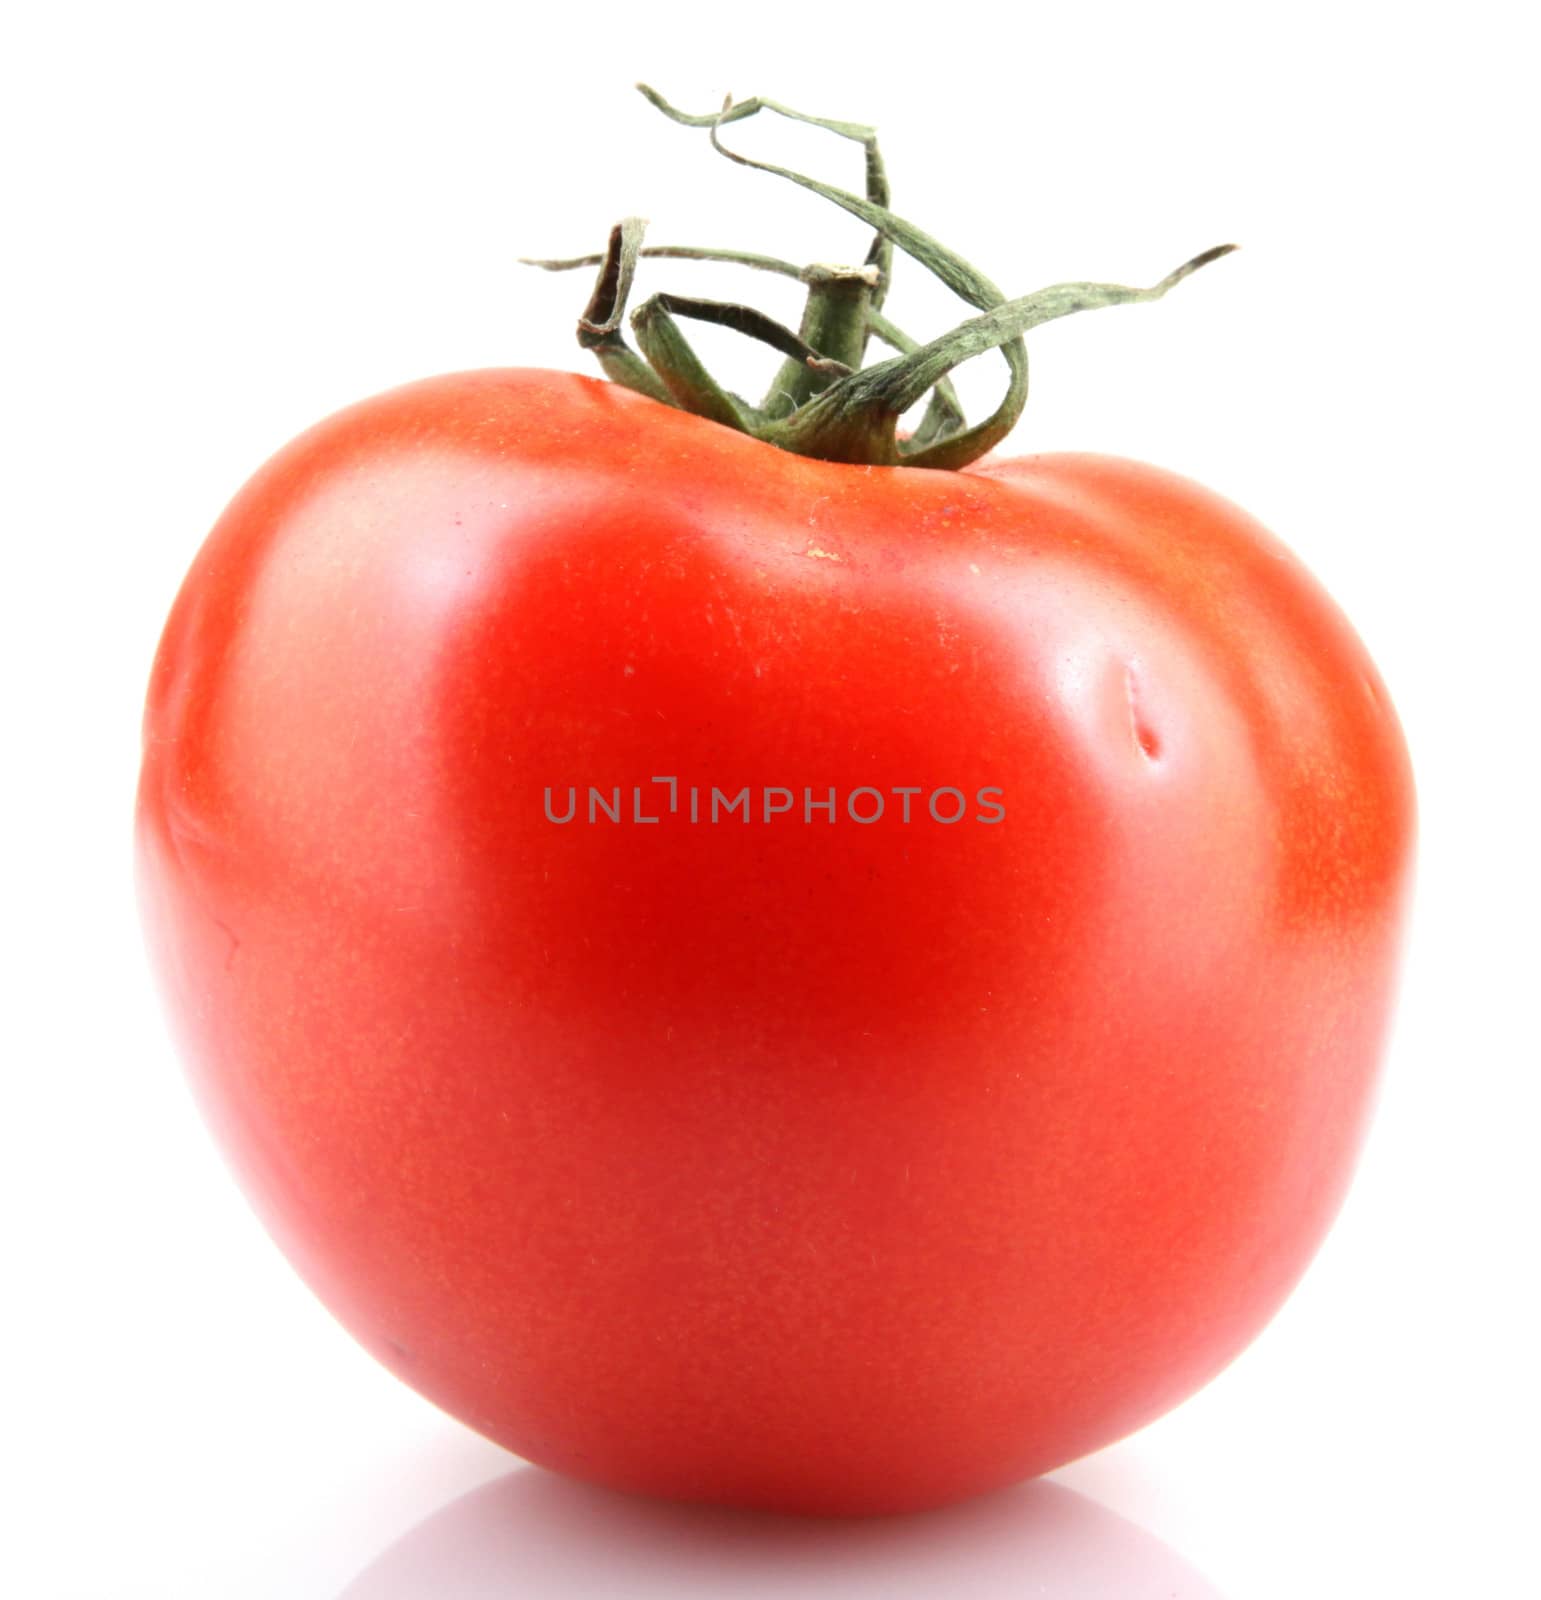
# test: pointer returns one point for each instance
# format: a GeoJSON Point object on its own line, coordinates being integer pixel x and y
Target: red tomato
{"type": "Point", "coordinates": [800, 1162]}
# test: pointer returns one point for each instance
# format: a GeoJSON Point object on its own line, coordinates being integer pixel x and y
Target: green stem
{"type": "Point", "coordinates": [835, 324]}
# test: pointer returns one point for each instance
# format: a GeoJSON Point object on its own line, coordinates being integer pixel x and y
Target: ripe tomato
{"type": "Point", "coordinates": [788, 1160]}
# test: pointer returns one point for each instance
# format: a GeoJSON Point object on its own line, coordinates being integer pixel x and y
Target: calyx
{"type": "Point", "coordinates": [823, 401]}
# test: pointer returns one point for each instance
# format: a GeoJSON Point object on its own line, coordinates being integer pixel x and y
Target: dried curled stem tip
{"type": "Point", "coordinates": [881, 252]}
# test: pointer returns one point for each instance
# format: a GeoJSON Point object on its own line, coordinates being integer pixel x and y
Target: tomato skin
{"type": "Point", "coordinates": [809, 1165]}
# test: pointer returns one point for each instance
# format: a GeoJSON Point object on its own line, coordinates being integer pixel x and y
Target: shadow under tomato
{"type": "Point", "coordinates": [532, 1534]}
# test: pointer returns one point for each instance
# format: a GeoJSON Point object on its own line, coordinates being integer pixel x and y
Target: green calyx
{"type": "Point", "coordinates": [823, 402]}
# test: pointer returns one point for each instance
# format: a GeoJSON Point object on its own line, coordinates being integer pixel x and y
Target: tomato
{"type": "Point", "coordinates": [812, 1159]}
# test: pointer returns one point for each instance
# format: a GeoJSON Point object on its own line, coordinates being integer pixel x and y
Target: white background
{"type": "Point", "coordinates": [226, 221]}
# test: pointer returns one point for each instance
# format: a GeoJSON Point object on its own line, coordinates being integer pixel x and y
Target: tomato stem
{"type": "Point", "coordinates": [823, 402]}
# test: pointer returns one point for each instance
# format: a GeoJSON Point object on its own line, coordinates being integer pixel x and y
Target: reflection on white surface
{"type": "Point", "coordinates": [534, 1536]}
